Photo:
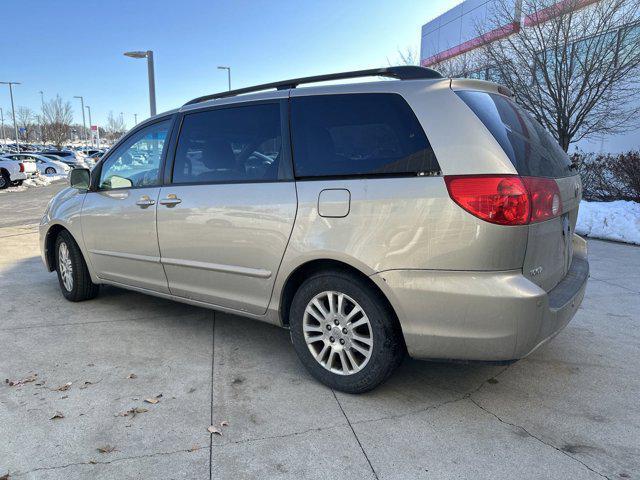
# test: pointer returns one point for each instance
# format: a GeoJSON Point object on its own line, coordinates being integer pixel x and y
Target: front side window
{"type": "Point", "coordinates": [358, 134]}
{"type": "Point", "coordinates": [237, 144]}
{"type": "Point", "coordinates": [136, 163]}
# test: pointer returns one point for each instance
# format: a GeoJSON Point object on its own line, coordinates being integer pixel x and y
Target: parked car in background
{"type": "Point", "coordinates": [65, 156]}
{"type": "Point", "coordinates": [425, 215]}
{"type": "Point", "coordinates": [45, 165]}
{"type": "Point", "coordinates": [14, 172]}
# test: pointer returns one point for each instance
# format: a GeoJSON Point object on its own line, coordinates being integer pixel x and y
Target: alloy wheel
{"type": "Point", "coordinates": [65, 266]}
{"type": "Point", "coordinates": [338, 332]}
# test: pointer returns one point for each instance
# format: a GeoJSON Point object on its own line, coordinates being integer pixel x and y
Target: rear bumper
{"type": "Point", "coordinates": [487, 316]}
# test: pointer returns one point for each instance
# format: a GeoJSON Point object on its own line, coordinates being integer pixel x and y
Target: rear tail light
{"type": "Point", "coordinates": [506, 199]}
{"type": "Point", "coordinates": [22, 168]}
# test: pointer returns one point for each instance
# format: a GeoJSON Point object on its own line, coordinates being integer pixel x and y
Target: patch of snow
{"type": "Point", "coordinates": [619, 220]}
{"type": "Point", "coordinates": [39, 181]}
{"type": "Point", "coordinates": [43, 180]}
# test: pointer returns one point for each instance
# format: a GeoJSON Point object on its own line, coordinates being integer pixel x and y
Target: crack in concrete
{"type": "Point", "coordinates": [373, 470]}
{"type": "Point", "coordinates": [535, 437]}
{"type": "Point", "coordinates": [274, 437]}
{"type": "Point", "coordinates": [115, 460]}
{"type": "Point", "coordinates": [149, 316]}
{"type": "Point", "coordinates": [462, 397]}
{"type": "Point", "coordinates": [591, 277]}
{"type": "Point", "coordinates": [213, 351]}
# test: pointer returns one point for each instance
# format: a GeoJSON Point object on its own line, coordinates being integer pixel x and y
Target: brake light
{"type": "Point", "coordinates": [22, 168]}
{"type": "Point", "coordinates": [506, 199]}
{"type": "Point", "coordinates": [545, 198]}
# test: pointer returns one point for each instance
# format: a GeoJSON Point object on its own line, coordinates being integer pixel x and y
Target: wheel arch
{"type": "Point", "coordinates": [308, 268]}
{"type": "Point", "coordinates": [50, 244]}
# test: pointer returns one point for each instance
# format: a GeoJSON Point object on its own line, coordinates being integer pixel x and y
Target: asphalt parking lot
{"type": "Point", "coordinates": [571, 410]}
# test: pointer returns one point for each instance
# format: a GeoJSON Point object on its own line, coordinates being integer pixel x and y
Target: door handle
{"type": "Point", "coordinates": [170, 201]}
{"type": "Point", "coordinates": [145, 202]}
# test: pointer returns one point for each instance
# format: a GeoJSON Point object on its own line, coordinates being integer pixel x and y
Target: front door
{"type": "Point", "coordinates": [119, 219]}
{"type": "Point", "coordinates": [225, 219]}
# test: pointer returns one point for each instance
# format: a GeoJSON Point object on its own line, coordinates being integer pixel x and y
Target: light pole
{"type": "Point", "coordinates": [41, 115]}
{"type": "Point", "coordinates": [90, 124]}
{"type": "Point", "coordinates": [13, 112]}
{"type": "Point", "coordinates": [152, 80]}
{"type": "Point", "coordinates": [135, 118]}
{"type": "Point", "coordinates": [2, 125]}
{"type": "Point", "coordinates": [228, 69]}
{"type": "Point", "coordinates": [84, 123]}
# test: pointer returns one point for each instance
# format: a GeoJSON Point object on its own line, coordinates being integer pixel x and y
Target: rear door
{"type": "Point", "coordinates": [534, 153]}
{"type": "Point", "coordinates": [226, 214]}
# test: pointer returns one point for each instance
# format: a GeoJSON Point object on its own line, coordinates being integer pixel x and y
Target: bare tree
{"type": "Point", "coordinates": [58, 116]}
{"type": "Point", "coordinates": [575, 69]}
{"type": "Point", "coordinates": [408, 56]}
{"type": "Point", "coordinates": [25, 120]}
{"type": "Point", "coordinates": [115, 127]}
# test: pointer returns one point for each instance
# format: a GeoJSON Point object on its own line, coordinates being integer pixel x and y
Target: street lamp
{"type": "Point", "coordinates": [228, 69]}
{"type": "Point", "coordinates": [41, 116]}
{"type": "Point", "coordinates": [84, 123]}
{"type": "Point", "coordinates": [2, 125]}
{"type": "Point", "coordinates": [152, 79]}
{"type": "Point", "coordinates": [13, 112]}
{"type": "Point", "coordinates": [90, 131]}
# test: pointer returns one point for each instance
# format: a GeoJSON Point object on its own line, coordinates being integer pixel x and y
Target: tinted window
{"type": "Point", "coordinates": [360, 134]}
{"type": "Point", "coordinates": [239, 144]}
{"type": "Point", "coordinates": [136, 163]}
{"type": "Point", "coordinates": [531, 149]}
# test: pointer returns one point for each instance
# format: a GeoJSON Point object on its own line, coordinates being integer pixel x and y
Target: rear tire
{"type": "Point", "coordinates": [5, 181]}
{"type": "Point", "coordinates": [353, 343]}
{"type": "Point", "coordinates": [49, 170]}
{"type": "Point", "coordinates": [73, 274]}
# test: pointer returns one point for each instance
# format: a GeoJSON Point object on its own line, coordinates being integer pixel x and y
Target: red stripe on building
{"type": "Point", "coordinates": [554, 11]}
{"type": "Point", "coordinates": [493, 35]}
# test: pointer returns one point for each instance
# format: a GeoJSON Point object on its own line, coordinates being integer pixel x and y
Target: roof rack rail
{"type": "Point", "coordinates": [405, 72]}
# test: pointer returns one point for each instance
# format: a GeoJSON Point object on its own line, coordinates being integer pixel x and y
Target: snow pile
{"type": "Point", "coordinates": [619, 220]}
{"type": "Point", "coordinates": [43, 180]}
{"type": "Point", "coordinates": [39, 181]}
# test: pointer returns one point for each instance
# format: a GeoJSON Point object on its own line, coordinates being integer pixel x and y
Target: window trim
{"type": "Point", "coordinates": [97, 170]}
{"type": "Point", "coordinates": [357, 176]}
{"type": "Point", "coordinates": [286, 160]}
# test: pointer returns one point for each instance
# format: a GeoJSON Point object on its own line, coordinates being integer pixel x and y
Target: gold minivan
{"type": "Point", "coordinates": [415, 214]}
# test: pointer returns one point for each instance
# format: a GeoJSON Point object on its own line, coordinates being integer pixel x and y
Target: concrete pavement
{"type": "Point", "coordinates": [571, 410]}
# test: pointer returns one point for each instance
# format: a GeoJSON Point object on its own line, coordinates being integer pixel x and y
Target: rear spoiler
{"type": "Point", "coordinates": [481, 85]}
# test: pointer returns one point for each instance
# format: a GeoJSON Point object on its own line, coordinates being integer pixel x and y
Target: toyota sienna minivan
{"type": "Point", "coordinates": [415, 214]}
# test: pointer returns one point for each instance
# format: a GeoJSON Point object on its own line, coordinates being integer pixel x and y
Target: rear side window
{"type": "Point", "coordinates": [236, 144]}
{"type": "Point", "coordinates": [531, 149]}
{"type": "Point", "coordinates": [358, 135]}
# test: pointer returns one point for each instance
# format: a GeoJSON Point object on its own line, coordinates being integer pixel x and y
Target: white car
{"type": "Point", "coordinates": [45, 165]}
{"type": "Point", "coordinates": [14, 172]}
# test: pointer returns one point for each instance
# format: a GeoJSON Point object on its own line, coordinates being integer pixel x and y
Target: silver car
{"type": "Point", "coordinates": [422, 215]}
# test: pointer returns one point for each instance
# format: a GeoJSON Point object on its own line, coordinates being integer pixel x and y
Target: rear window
{"type": "Point", "coordinates": [358, 135]}
{"type": "Point", "coordinates": [531, 149]}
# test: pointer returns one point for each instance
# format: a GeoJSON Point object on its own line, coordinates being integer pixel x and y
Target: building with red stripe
{"type": "Point", "coordinates": [457, 33]}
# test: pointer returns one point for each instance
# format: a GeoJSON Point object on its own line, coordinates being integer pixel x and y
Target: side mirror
{"type": "Point", "coordinates": [80, 178]}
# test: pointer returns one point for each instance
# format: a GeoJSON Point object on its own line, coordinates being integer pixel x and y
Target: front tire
{"type": "Point", "coordinates": [345, 335]}
{"type": "Point", "coordinates": [49, 170]}
{"type": "Point", "coordinates": [73, 275]}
